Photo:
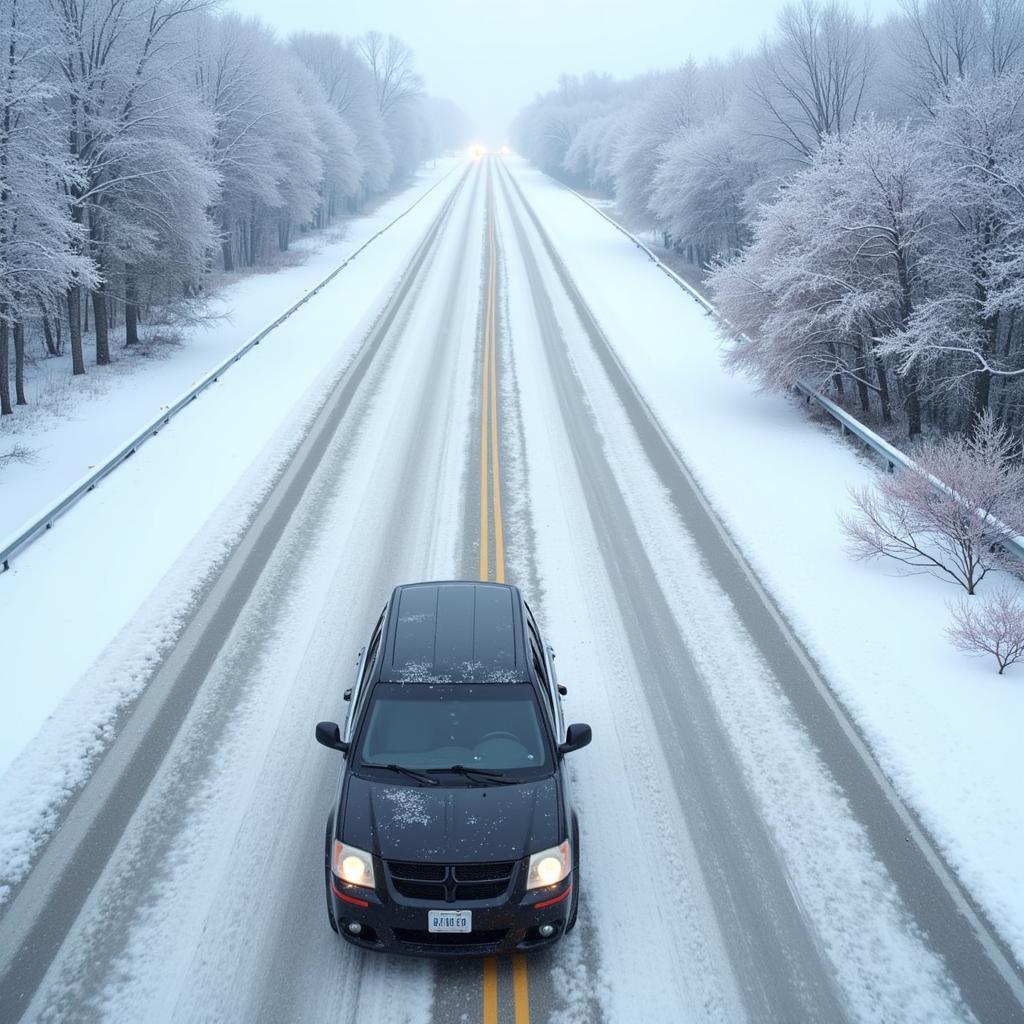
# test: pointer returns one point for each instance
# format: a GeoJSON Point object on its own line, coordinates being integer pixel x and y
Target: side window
{"type": "Point", "coordinates": [373, 647]}
{"type": "Point", "coordinates": [364, 672]}
{"type": "Point", "coordinates": [539, 663]}
{"type": "Point", "coordinates": [539, 668]}
{"type": "Point", "coordinates": [531, 625]}
{"type": "Point", "coordinates": [371, 653]}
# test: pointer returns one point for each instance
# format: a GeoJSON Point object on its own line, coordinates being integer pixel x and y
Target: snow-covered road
{"type": "Point", "coordinates": [741, 860]}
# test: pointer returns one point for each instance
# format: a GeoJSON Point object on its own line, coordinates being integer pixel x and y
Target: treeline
{"type": "Point", "coordinates": [854, 191]}
{"type": "Point", "coordinates": [145, 143]}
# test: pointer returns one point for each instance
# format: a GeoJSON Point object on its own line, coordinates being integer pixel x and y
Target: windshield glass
{"type": "Point", "coordinates": [495, 727]}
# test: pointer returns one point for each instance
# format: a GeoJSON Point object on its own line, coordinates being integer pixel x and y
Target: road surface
{"type": "Point", "coordinates": [742, 857]}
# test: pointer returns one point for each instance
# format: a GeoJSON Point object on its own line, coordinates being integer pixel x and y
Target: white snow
{"type": "Point", "coordinates": [168, 515]}
{"type": "Point", "coordinates": [945, 728]}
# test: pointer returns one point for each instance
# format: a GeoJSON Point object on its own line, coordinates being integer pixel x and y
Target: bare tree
{"type": "Point", "coordinates": [948, 514]}
{"type": "Point", "coordinates": [810, 79]}
{"type": "Point", "coordinates": [990, 624]}
{"type": "Point", "coordinates": [394, 70]}
{"type": "Point", "coordinates": [941, 42]}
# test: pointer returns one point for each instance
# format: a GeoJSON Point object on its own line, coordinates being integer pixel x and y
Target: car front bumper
{"type": "Point", "coordinates": [499, 926]}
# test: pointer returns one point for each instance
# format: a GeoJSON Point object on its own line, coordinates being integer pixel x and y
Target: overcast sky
{"type": "Point", "coordinates": [493, 56]}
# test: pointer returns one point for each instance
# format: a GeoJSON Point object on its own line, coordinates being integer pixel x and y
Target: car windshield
{"type": "Point", "coordinates": [493, 727]}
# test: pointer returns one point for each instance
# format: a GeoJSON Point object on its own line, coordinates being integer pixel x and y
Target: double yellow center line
{"type": "Point", "coordinates": [490, 479]}
{"type": "Point", "coordinates": [490, 486]}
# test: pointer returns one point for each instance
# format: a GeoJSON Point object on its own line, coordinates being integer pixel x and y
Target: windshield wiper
{"type": "Point", "coordinates": [420, 777]}
{"type": "Point", "coordinates": [498, 778]}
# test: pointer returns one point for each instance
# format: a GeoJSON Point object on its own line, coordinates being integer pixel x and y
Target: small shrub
{"type": "Point", "coordinates": [945, 531]}
{"type": "Point", "coordinates": [990, 624]}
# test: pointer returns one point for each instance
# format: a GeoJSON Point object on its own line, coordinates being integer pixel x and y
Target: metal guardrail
{"type": "Point", "coordinates": [892, 455]}
{"type": "Point", "coordinates": [45, 522]}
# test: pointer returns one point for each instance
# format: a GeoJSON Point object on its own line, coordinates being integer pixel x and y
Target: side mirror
{"type": "Point", "coordinates": [329, 735]}
{"type": "Point", "coordinates": [563, 690]}
{"type": "Point", "coordinates": [576, 737]}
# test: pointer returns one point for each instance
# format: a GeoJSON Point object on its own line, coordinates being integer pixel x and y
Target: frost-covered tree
{"type": "Point", "coordinates": [40, 244]}
{"type": "Point", "coordinates": [699, 187]}
{"type": "Point", "coordinates": [591, 154]}
{"type": "Point", "coordinates": [117, 76]}
{"type": "Point", "coordinates": [974, 181]}
{"type": "Point", "coordinates": [834, 269]}
{"type": "Point", "coordinates": [350, 90]}
{"type": "Point", "coordinates": [266, 149]}
{"type": "Point", "coordinates": [673, 105]}
{"type": "Point", "coordinates": [138, 136]}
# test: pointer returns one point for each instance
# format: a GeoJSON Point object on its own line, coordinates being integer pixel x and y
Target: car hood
{"type": "Point", "coordinates": [455, 825]}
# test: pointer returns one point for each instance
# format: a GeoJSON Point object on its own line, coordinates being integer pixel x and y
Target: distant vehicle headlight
{"type": "Point", "coordinates": [352, 865]}
{"type": "Point", "coordinates": [549, 866]}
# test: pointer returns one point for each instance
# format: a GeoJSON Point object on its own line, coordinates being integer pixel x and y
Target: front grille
{"type": "Point", "coordinates": [451, 883]}
{"type": "Point", "coordinates": [424, 872]}
{"type": "Point", "coordinates": [421, 938]}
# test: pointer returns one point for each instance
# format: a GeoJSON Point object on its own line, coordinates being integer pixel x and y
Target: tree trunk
{"type": "Point", "coordinates": [75, 330]}
{"type": "Point", "coordinates": [861, 372]}
{"type": "Point", "coordinates": [982, 395]}
{"type": "Point", "coordinates": [5, 370]}
{"type": "Point", "coordinates": [284, 229]}
{"type": "Point", "coordinates": [19, 364]}
{"type": "Point", "coordinates": [883, 388]}
{"type": "Point", "coordinates": [99, 306]}
{"type": "Point", "coordinates": [131, 310]}
{"type": "Point", "coordinates": [85, 316]}
{"type": "Point", "coordinates": [227, 253]}
{"type": "Point", "coordinates": [912, 401]}
{"type": "Point", "coordinates": [51, 347]}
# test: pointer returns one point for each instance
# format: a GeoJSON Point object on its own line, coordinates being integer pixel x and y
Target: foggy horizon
{"type": "Point", "coordinates": [494, 60]}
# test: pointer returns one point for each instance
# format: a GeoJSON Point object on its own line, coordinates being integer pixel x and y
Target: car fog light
{"type": "Point", "coordinates": [547, 930]}
{"type": "Point", "coordinates": [354, 928]}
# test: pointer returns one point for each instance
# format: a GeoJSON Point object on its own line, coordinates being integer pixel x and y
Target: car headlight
{"type": "Point", "coordinates": [549, 866]}
{"type": "Point", "coordinates": [352, 865]}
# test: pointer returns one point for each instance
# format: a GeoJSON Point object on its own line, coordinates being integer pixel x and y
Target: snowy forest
{"type": "Point", "coordinates": [145, 144]}
{"type": "Point", "coordinates": [852, 194]}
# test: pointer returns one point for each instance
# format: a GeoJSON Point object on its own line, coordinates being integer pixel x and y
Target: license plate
{"type": "Point", "coordinates": [449, 920]}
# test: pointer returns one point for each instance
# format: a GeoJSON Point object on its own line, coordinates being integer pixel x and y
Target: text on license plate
{"type": "Point", "coordinates": [449, 920]}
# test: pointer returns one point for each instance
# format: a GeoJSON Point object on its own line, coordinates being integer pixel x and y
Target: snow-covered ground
{"type": "Point", "coordinates": [73, 424]}
{"type": "Point", "coordinates": [79, 587]}
{"type": "Point", "coordinates": [945, 728]}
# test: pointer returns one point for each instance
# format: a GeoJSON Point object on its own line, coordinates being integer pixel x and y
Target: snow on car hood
{"type": "Point", "coordinates": [457, 824]}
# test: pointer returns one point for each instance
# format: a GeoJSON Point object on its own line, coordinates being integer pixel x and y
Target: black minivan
{"type": "Point", "coordinates": [453, 831]}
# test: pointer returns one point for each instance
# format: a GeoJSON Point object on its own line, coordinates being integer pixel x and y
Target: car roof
{"type": "Point", "coordinates": [454, 631]}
